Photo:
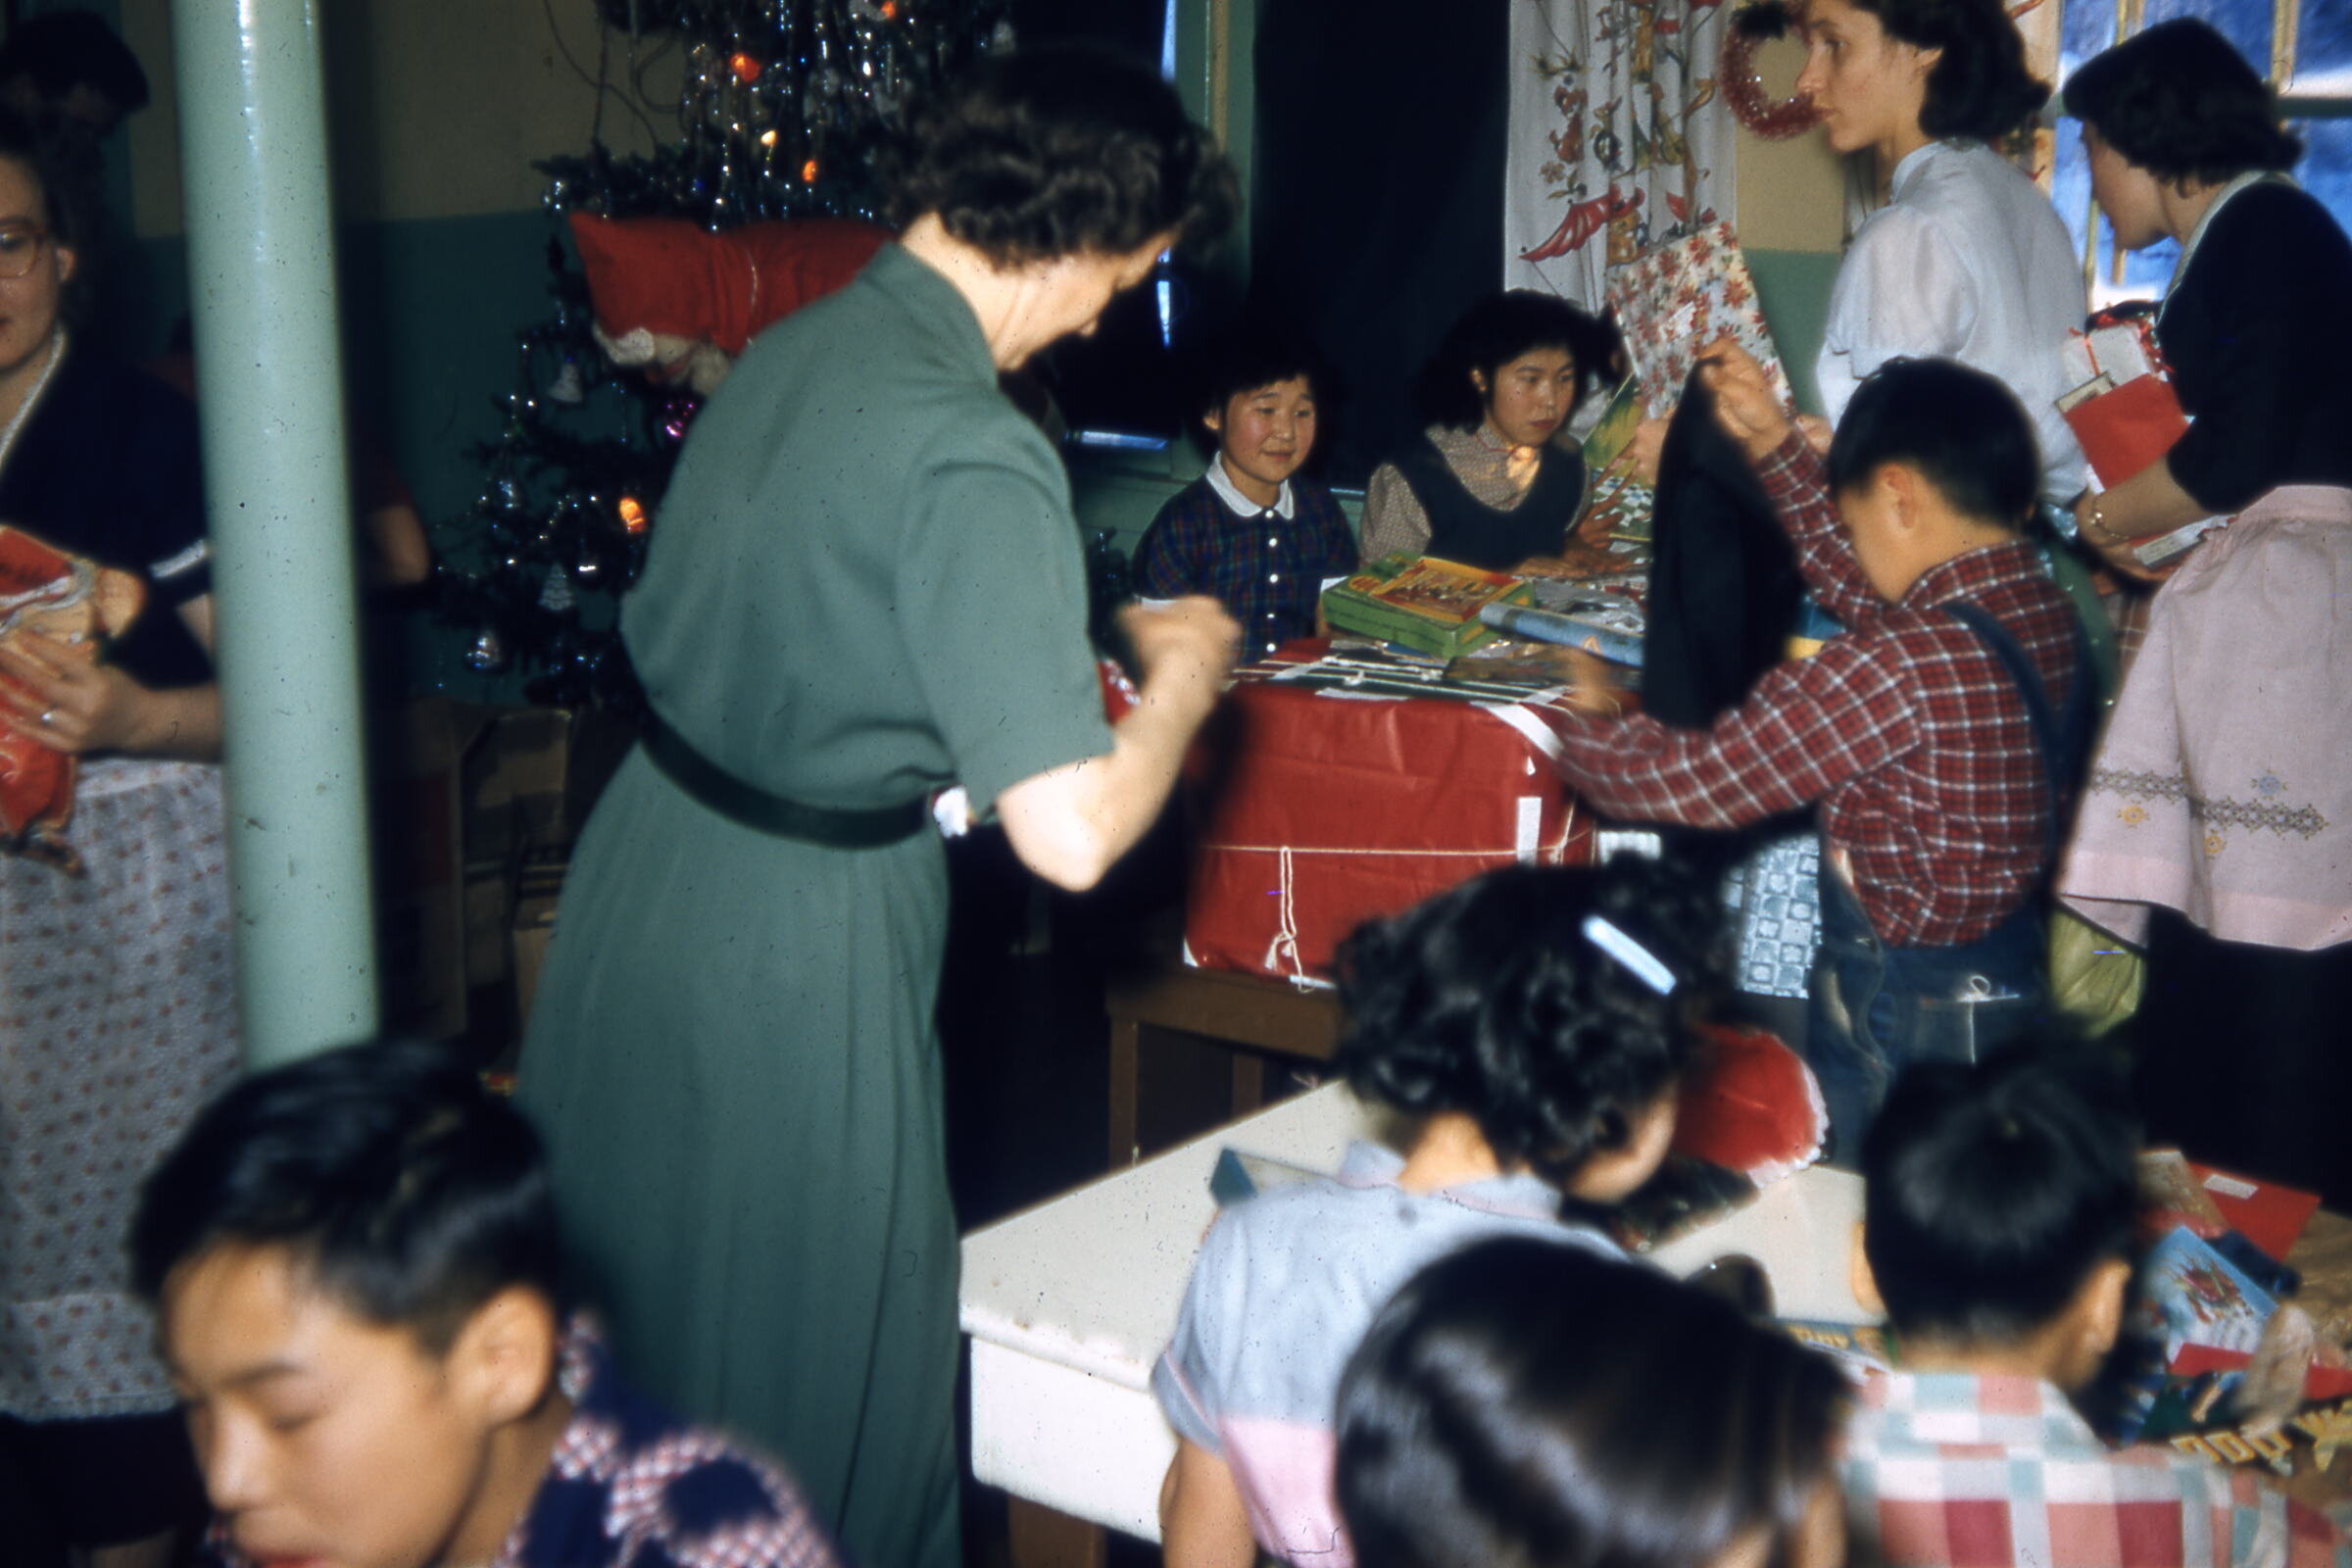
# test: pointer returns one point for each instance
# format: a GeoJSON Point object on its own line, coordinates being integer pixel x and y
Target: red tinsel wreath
{"type": "Point", "coordinates": [1772, 118]}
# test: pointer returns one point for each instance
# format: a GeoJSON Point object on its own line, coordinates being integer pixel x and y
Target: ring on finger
{"type": "Point", "coordinates": [48, 718]}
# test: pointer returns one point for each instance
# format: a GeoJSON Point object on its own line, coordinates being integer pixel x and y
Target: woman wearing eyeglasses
{"type": "Point", "coordinates": [116, 1007]}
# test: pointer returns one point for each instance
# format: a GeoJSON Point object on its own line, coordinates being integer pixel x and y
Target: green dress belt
{"type": "Point", "coordinates": [748, 806]}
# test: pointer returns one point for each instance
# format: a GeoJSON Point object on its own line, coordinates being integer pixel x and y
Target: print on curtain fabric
{"type": "Point", "coordinates": [1619, 140]}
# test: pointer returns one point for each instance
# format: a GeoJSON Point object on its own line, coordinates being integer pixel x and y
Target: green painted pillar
{"type": "Point", "coordinates": [269, 383]}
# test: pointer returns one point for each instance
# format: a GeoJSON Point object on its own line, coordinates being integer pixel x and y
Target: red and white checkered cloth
{"type": "Point", "coordinates": [1949, 1470]}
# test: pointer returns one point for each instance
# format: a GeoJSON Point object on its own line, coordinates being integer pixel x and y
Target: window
{"type": "Point", "coordinates": [2304, 47]}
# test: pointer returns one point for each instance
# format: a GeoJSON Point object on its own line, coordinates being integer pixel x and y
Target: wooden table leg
{"type": "Point", "coordinates": [1249, 1081]}
{"type": "Point", "coordinates": [1044, 1538]}
{"type": "Point", "coordinates": [1126, 1049]}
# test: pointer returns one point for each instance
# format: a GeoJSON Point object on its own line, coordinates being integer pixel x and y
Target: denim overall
{"type": "Point", "coordinates": [1876, 1008]}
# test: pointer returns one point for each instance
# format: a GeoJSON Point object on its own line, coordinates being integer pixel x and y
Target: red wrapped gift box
{"type": "Point", "coordinates": [1320, 812]}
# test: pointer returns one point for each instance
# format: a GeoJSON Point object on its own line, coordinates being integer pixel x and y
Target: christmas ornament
{"type": "Point", "coordinates": [557, 597]}
{"type": "Point", "coordinates": [677, 418]}
{"type": "Point", "coordinates": [570, 385]}
{"type": "Point", "coordinates": [632, 516]}
{"type": "Point", "coordinates": [488, 655]}
{"type": "Point", "coordinates": [1772, 118]}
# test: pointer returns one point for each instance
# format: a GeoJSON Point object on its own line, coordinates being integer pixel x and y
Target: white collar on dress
{"type": "Point", "coordinates": [1284, 505]}
{"type": "Point", "coordinates": [1916, 160]}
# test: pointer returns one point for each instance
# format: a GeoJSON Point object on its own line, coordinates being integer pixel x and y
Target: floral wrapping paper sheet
{"type": "Point", "coordinates": [1677, 298]}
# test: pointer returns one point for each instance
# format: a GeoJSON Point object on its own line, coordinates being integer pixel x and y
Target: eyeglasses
{"type": "Point", "coordinates": [20, 247]}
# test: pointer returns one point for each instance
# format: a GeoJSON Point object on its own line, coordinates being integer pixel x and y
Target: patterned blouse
{"type": "Point", "coordinates": [1393, 518]}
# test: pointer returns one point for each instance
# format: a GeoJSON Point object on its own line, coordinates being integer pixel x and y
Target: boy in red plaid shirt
{"type": "Point", "coordinates": [1998, 1220]}
{"type": "Point", "coordinates": [1939, 736]}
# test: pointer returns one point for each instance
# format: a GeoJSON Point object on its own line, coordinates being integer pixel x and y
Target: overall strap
{"type": "Point", "coordinates": [2063, 739]}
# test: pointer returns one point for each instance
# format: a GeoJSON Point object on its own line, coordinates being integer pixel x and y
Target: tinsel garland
{"type": "Point", "coordinates": [1772, 118]}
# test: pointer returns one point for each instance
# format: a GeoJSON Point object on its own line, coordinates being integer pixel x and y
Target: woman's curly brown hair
{"type": "Point", "coordinates": [1057, 152]}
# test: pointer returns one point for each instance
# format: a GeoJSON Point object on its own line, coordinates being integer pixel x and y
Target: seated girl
{"type": "Point", "coordinates": [1524, 1404]}
{"type": "Point", "coordinates": [1534, 1022]}
{"type": "Point", "coordinates": [1485, 484]}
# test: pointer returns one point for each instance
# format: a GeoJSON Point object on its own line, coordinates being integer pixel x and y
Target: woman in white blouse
{"type": "Point", "coordinates": [1967, 260]}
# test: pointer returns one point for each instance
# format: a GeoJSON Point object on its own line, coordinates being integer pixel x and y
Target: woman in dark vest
{"type": "Point", "coordinates": [1485, 484]}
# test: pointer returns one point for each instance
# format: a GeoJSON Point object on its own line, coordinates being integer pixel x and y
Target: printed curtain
{"type": "Point", "coordinates": [1619, 140]}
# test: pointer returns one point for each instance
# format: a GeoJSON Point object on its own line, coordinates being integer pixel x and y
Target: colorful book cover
{"type": "Point", "coordinates": [1608, 438]}
{"type": "Point", "coordinates": [2189, 1302]}
{"type": "Point", "coordinates": [1424, 603]}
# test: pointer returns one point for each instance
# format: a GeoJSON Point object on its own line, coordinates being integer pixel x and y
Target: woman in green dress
{"type": "Point", "coordinates": [864, 586]}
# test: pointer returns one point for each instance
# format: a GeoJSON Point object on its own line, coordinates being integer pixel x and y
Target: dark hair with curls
{"type": "Point", "coordinates": [1500, 1000]}
{"type": "Point", "coordinates": [407, 1191]}
{"type": "Point", "coordinates": [1959, 427]}
{"type": "Point", "coordinates": [2181, 103]}
{"type": "Point", "coordinates": [61, 50]}
{"type": "Point", "coordinates": [1521, 1401]}
{"type": "Point", "coordinates": [1059, 151]}
{"type": "Point", "coordinates": [1979, 87]}
{"type": "Point", "coordinates": [1991, 1192]}
{"type": "Point", "coordinates": [1492, 333]}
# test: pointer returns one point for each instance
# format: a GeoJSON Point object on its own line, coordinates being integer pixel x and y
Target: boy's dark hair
{"type": "Point", "coordinates": [1059, 151]}
{"type": "Point", "coordinates": [1497, 999]}
{"type": "Point", "coordinates": [1979, 87]}
{"type": "Point", "coordinates": [61, 49]}
{"type": "Point", "coordinates": [1992, 1191]}
{"type": "Point", "coordinates": [1255, 354]}
{"type": "Point", "coordinates": [403, 1187]}
{"type": "Point", "coordinates": [1525, 1401]}
{"type": "Point", "coordinates": [1492, 333]}
{"type": "Point", "coordinates": [2181, 103]}
{"type": "Point", "coordinates": [1961, 428]}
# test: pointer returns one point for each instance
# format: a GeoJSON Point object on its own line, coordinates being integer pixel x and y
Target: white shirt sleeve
{"type": "Point", "coordinates": [1902, 290]}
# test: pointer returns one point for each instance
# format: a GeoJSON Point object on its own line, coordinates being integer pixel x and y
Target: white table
{"type": "Point", "coordinates": [1069, 1303]}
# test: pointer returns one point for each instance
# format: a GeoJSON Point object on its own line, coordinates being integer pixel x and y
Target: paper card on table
{"type": "Point", "coordinates": [2270, 1214]}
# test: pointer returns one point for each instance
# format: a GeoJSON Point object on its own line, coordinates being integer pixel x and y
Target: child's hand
{"type": "Point", "coordinates": [1591, 689]}
{"type": "Point", "coordinates": [1745, 405]}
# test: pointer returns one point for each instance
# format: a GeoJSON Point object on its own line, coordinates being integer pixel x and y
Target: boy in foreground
{"type": "Point", "coordinates": [1939, 735]}
{"type": "Point", "coordinates": [1998, 1215]}
{"type": "Point", "coordinates": [354, 1267]}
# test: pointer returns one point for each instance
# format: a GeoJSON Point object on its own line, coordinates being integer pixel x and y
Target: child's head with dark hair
{"type": "Point", "coordinates": [1999, 1206]}
{"type": "Point", "coordinates": [2179, 103]}
{"type": "Point", "coordinates": [1260, 399]}
{"type": "Point", "coordinates": [1959, 427]}
{"type": "Point", "coordinates": [70, 65]}
{"type": "Point", "coordinates": [1524, 1402]}
{"type": "Point", "coordinates": [1518, 361]}
{"type": "Point", "coordinates": [354, 1269]}
{"type": "Point", "coordinates": [1932, 460]}
{"type": "Point", "coordinates": [1548, 1007]}
{"type": "Point", "coordinates": [1060, 150]}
